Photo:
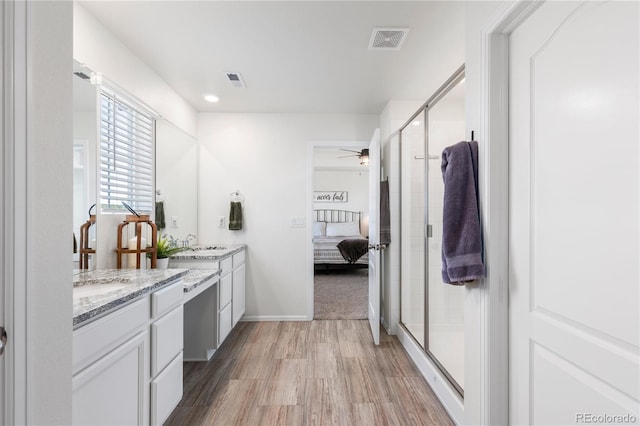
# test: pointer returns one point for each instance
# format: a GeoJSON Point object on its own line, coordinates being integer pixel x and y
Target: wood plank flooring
{"type": "Point", "coordinates": [307, 373]}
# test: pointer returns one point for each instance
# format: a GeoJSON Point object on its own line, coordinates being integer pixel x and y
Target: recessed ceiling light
{"type": "Point", "coordinates": [211, 98]}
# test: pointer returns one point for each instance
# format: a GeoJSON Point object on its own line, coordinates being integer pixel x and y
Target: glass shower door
{"type": "Point", "coordinates": [413, 263]}
{"type": "Point", "coordinates": [430, 310]}
{"type": "Point", "coordinates": [445, 127]}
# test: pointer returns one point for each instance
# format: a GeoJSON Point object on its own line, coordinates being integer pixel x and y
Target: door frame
{"type": "Point", "coordinates": [492, 308]}
{"type": "Point", "coordinates": [14, 205]}
{"type": "Point", "coordinates": [311, 147]}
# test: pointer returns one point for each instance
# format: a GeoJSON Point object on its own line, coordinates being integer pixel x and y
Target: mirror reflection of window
{"type": "Point", "coordinates": [85, 132]}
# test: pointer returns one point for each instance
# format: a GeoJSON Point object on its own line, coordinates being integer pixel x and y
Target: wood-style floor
{"type": "Point", "coordinates": [307, 373]}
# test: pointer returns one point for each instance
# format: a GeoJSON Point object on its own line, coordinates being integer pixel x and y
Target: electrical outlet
{"type": "Point", "coordinates": [174, 221]}
{"type": "Point", "coordinates": [297, 222]}
{"type": "Point", "coordinates": [220, 221]}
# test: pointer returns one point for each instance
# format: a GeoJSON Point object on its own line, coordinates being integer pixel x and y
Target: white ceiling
{"type": "Point", "coordinates": [295, 56]}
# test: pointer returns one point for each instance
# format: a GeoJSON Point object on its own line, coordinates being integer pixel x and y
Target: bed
{"type": "Point", "coordinates": [330, 227]}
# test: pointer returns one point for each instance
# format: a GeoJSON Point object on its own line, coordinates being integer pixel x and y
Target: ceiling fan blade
{"type": "Point", "coordinates": [350, 150]}
{"type": "Point", "coordinates": [346, 156]}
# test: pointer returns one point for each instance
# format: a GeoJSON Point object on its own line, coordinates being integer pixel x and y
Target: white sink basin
{"type": "Point", "coordinates": [95, 289]}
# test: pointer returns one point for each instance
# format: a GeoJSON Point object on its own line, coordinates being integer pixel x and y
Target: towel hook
{"type": "Point", "coordinates": [472, 136]}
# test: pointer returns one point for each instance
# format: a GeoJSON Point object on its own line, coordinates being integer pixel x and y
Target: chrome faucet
{"type": "Point", "coordinates": [187, 239]}
{"type": "Point", "coordinates": [172, 241]}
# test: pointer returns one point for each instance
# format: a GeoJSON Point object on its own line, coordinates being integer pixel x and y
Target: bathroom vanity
{"type": "Point", "coordinates": [211, 312]}
{"type": "Point", "coordinates": [134, 328]}
{"type": "Point", "coordinates": [127, 346]}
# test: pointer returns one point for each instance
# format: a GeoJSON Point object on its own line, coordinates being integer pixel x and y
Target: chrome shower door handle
{"type": "Point", "coordinates": [377, 246]}
{"type": "Point", "coordinates": [3, 339]}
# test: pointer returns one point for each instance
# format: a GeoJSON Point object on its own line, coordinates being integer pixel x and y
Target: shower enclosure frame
{"type": "Point", "coordinates": [442, 91]}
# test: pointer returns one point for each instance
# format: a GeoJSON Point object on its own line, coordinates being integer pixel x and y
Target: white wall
{"type": "Point", "coordinates": [355, 183]}
{"type": "Point", "coordinates": [264, 156]}
{"type": "Point", "coordinates": [98, 49]}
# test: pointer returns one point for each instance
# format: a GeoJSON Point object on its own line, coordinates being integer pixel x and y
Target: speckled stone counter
{"type": "Point", "coordinates": [209, 252]}
{"type": "Point", "coordinates": [97, 293]}
{"type": "Point", "coordinates": [197, 277]}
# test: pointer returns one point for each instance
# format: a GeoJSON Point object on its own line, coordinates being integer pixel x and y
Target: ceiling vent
{"type": "Point", "coordinates": [387, 38]}
{"type": "Point", "coordinates": [236, 80]}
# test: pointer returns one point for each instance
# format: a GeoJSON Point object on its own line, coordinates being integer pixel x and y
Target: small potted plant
{"type": "Point", "coordinates": [164, 251]}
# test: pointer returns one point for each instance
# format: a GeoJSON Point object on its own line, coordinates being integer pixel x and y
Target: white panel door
{"type": "Point", "coordinates": [574, 231]}
{"type": "Point", "coordinates": [374, 236]}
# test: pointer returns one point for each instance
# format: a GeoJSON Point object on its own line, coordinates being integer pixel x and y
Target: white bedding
{"type": "Point", "coordinates": [325, 249]}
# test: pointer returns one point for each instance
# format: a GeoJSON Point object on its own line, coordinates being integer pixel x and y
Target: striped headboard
{"type": "Point", "coordinates": [336, 216]}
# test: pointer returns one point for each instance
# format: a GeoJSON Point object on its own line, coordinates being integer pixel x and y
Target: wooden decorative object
{"type": "Point", "coordinates": [85, 250]}
{"type": "Point", "coordinates": [140, 252]}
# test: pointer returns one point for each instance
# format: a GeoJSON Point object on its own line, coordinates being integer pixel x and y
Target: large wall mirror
{"type": "Point", "coordinates": [176, 183]}
{"type": "Point", "coordinates": [85, 135]}
{"type": "Point", "coordinates": [176, 180]}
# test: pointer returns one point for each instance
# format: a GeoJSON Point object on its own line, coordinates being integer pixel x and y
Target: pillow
{"type": "Point", "coordinates": [319, 229]}
{"type": "Point", "coordinates": [344, 229]}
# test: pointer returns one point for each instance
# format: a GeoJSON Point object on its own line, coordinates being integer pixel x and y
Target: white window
{"type": "Point", "coordinates": [126, 155]}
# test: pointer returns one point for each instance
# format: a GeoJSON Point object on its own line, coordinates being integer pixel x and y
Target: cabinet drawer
{"type": "Point", "coordinates": [238, 259]}
{"type": "Point", "coordinates": [166, 391]}
{"type": "Point", "coordinates": [226, 266]}
{"type": "Point", "coordinates": [99, 337]}
{"type": "Point", "coordinates": [164, 300]}
{"type": "Point", "coordinates": [166, 339]}
{"type": "Point", "coordinates": [225, 324]}
{"type": "Point", "coordinates": [225, 290]}
{"type": "Point", "coordinates": [193, 264]}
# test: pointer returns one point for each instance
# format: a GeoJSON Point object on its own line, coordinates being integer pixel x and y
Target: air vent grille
{"type": "Point", "coordinates": [387, 38]}
{"type": "Point", "coordinates": [236, 80]}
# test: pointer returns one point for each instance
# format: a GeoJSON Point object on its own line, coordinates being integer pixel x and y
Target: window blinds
{"type": "Point", "coordinates": [126, 156]}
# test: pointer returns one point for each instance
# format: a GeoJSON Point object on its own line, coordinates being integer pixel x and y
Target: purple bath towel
{"type": "Point", "coordinates": [461, 233]}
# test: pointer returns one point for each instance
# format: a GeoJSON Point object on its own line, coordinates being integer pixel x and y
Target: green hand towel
{"type": "Point", "coordinates": [235, 216]}
{"type": "Point", "coordinates": [160, 215]}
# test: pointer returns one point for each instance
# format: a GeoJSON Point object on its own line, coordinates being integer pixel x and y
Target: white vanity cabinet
{"type": "Point", "coordinates": [127, 365]}
{"type": "Point", "coordinates": [227, 303]}
{"type": "Point", "coordinates": [111, 368]}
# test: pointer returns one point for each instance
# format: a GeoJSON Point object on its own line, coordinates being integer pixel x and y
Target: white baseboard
{"type": "Point", "coordinates": [447, 395]}
{"type": "Point", "coordinates": [246, 318]}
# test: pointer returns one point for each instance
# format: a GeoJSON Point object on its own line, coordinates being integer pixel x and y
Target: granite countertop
{"type": "Point", "coordinates": [96, 293]}
{"type": "Point", "coordinates": [209, 252]}
{"type": "Point", "coordinates": [196, 277]}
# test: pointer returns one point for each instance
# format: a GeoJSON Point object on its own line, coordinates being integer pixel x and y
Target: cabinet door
{"type": "Point", "coordinates": [225, 290]}
{"type": "Point", "coordinates": [225, 324]}
{"type": "Point", "coordinates": [113, 390]}
{"type": "Point", "coordinates": [238, 293]}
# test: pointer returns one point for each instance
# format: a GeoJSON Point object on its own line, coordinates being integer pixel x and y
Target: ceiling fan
{"type": "Point", "coordinates": [363, 155]}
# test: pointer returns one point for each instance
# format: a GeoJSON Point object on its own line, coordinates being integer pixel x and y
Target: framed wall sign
{"type": "Point", "coordinates": [330, 196]}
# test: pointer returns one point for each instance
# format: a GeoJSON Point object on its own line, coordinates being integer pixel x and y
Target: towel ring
{"type": "Point", "coordinates": [236, 196]}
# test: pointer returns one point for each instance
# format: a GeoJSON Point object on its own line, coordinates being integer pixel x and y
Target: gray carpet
{"type": "Point", "coordinates": [341, 294]}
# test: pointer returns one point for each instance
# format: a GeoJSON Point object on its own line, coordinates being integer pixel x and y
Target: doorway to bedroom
{"type": "Point", "coordinates": [340, 215]}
